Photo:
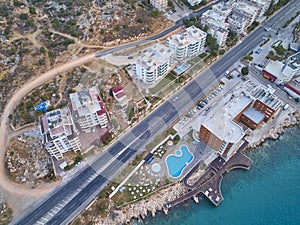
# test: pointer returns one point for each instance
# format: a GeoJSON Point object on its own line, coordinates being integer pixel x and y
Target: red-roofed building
{"type": "Point", "coordinates": [293, 88]}
{"type": "Point", "coordinates": [119, 94]}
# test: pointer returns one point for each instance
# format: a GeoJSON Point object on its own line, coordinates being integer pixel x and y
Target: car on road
{"type": "Point", "coordinates": [174, 100]}
{"type": "Point", "coordinates": [205, 100]}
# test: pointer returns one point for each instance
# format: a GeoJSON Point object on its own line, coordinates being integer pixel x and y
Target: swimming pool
{"type": "Point", "coordinates": [179, 70]}
{"type": "Point", "coordinates": [178, 161]}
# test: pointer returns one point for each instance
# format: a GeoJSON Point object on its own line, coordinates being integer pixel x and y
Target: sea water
{"type": "Point", "coordinates": [269, 193]}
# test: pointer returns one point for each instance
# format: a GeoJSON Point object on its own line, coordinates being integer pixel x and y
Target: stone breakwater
{"type": "Point", "coordinates": [275, 132]}
{"type": "Point", "coordinates": [141, 209]}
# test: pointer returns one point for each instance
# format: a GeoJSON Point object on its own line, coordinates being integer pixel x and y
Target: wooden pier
{"type": "Point", "coordinates": [209, 183]}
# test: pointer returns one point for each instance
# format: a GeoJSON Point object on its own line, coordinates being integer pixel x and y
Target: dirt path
{"type": "Point", "coordinates": [18, 195]}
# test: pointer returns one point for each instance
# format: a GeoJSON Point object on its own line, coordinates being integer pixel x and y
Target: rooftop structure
{"type": "Point", "coordinates": [119, 94]}
{"type": "Point", "coordinates": [186, 43]}
{"type": "Point", "coordinates": [278, 72]}
{"type": "Point", "coordinates": [252, 117]}
{"type": "Point", "coordinates": [220, 130]}
{"type": "Point", "coordinates": [265, 101]}
{"type": "Point", "coordinates": [88, 109]}
{"type": "Point", "coordinates": [153, 64]}
{"type": "Point", "coordinates": [59, 131]}
{"type": "Point", "coordinates": [262, 6]}
{"type": "Point", "coordinates": [161, 5]}
{"type": "Point", "coordinates": [217, 26]}
{"type": "Point", "coordinates": [223, 8]}
{"type": "Point", "coordinates": [293, 88]}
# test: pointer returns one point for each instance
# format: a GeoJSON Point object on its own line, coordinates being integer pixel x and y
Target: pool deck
{"type": "Point", "coordinates": [209, 183]}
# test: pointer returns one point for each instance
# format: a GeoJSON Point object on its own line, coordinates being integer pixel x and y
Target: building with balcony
{"type": "Point", "coordinates": [59, 132]}
{"type": "Point", "coordinates": [186, 43]}
{"type": "Point", "coordinates": [216, 24]}
{"type": "Point", "coordinates": [88, 110]}
{"type": "Point", "coordinates": [153, 64]}
{"type": "Point", "coordinates": [161, 5]}
{"type": "Point", "coordinates": [194, 2]}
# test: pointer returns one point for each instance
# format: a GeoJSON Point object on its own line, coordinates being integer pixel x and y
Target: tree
{"type": "Point", "coordinates": [212, 44]}
{"type": "Point", "coordinates": [23, 16]}
{"type": "Point", "coordinates": [32, 10]}
{"type": "Point", "coordinates": [139, 20]}
{"type": "Point", "coordinates": [245, 70]}
{"type": "Point", "coordinates": [280, 50]}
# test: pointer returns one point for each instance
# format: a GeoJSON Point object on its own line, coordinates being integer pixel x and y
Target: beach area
{"type": "Point", "coordinates": [155, 203]}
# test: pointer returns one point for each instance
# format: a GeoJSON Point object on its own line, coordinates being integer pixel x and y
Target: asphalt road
{"type": "Point", "coordinates": [68, 200]}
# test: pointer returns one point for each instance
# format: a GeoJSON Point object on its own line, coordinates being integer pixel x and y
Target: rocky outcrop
{"type": "Point", "coordinates": [275, 133]}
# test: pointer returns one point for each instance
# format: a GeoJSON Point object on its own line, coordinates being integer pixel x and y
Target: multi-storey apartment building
{"type": "Point", "coordinates": [153, 64]}
{"type": "Point", "coordinates": [88, 109]}
{"type": "Point", "coordinates": [186, 43]}
{"type": "Point", "coordinates": [161, 5]}
{"type": "Point", "coordinates": [217, 26]}
{"type": "Point", "coordinates": [59, 132]}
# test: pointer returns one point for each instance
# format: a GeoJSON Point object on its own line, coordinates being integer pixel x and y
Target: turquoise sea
{"type": "Point", "coordinates": [269, 193]}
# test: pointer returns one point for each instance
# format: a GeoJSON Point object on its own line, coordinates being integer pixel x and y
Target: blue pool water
{"type": "Point", "coordinates": [181, 69]}
{"type": "Point", "coordinates": [267, 194]}
{"type": "Point", "coordinates": [176, 163]}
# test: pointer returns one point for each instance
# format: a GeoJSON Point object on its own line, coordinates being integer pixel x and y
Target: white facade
{"type": "Point", "coordinates": [88, 109]}
{"type": "Point", "coordinates": [161, 5]}
{"type": "Point", "coordinates": [217, 26]}
{"type": "Point", "coordinates": [59, 131]}
{"type": "Point", "coordinates": [194, 2]}
{"type": "Point", "coordinates": [262, 6]}
{"type": "Point", "coordinates": [153, 64]}
{"type": "Point", "coordinates": [186, 43]}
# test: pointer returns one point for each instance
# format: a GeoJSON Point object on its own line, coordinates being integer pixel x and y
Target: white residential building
{"type": "Point", "coordinates": [153, 64]}
{"type": "Point", "coordinates": [161, 5]}
{"type": "Point", "coordinates": [262, 6]}
{"type": "Point", "coordinates": [194, 2]}
{"type": "Point", "coordinates": [186, 43]}
{"type": "Point", "coordinates": [217, 26]}
{"type": "Point", "coordinates": [88, 109]}
{"type": "Point", "coordinates": [59, 132]}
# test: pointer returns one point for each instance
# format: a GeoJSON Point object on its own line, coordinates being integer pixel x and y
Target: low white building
{"type": "Point", "coordinates": [88, 109]}
{"type": "Point", "coordinates": [194, 2]}
{"type": "Point", "coordinates": [59, 132]}
{"type": "Point", "coordinates": [161, 5]}
{"type": "Point", "coordinates": [186, 43]}
{"type": "Point", "coordinates": [153, 64]}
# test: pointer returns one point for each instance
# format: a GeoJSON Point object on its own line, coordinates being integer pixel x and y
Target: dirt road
{"type": "Point", "coordinates": [13, 192]}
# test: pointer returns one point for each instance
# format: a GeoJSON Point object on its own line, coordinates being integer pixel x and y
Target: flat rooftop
{"type": "Point", "coordinates": [221, 122]}
{"type": "Point", "coordinates": [253, 114]}
{"type": "Point", "coordinates": [283, 72]}
{"type": "Point", "coordinates": [86, 102]}
{"type": "Point", "coordinates": [154, 56]}
{"type": "Point", "coordinates": [187, 36]}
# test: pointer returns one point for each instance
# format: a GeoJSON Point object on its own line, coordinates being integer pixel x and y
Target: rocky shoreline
{"type": "Point", "coordinates": [141, 209]}
{"type": "Point", "coordinates": [275, 133]}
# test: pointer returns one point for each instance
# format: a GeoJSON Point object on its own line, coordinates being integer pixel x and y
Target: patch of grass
{"type": "Point", "coordinates": [163, 83]}
{"type": "Point", "coordinates": [203, 166]}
